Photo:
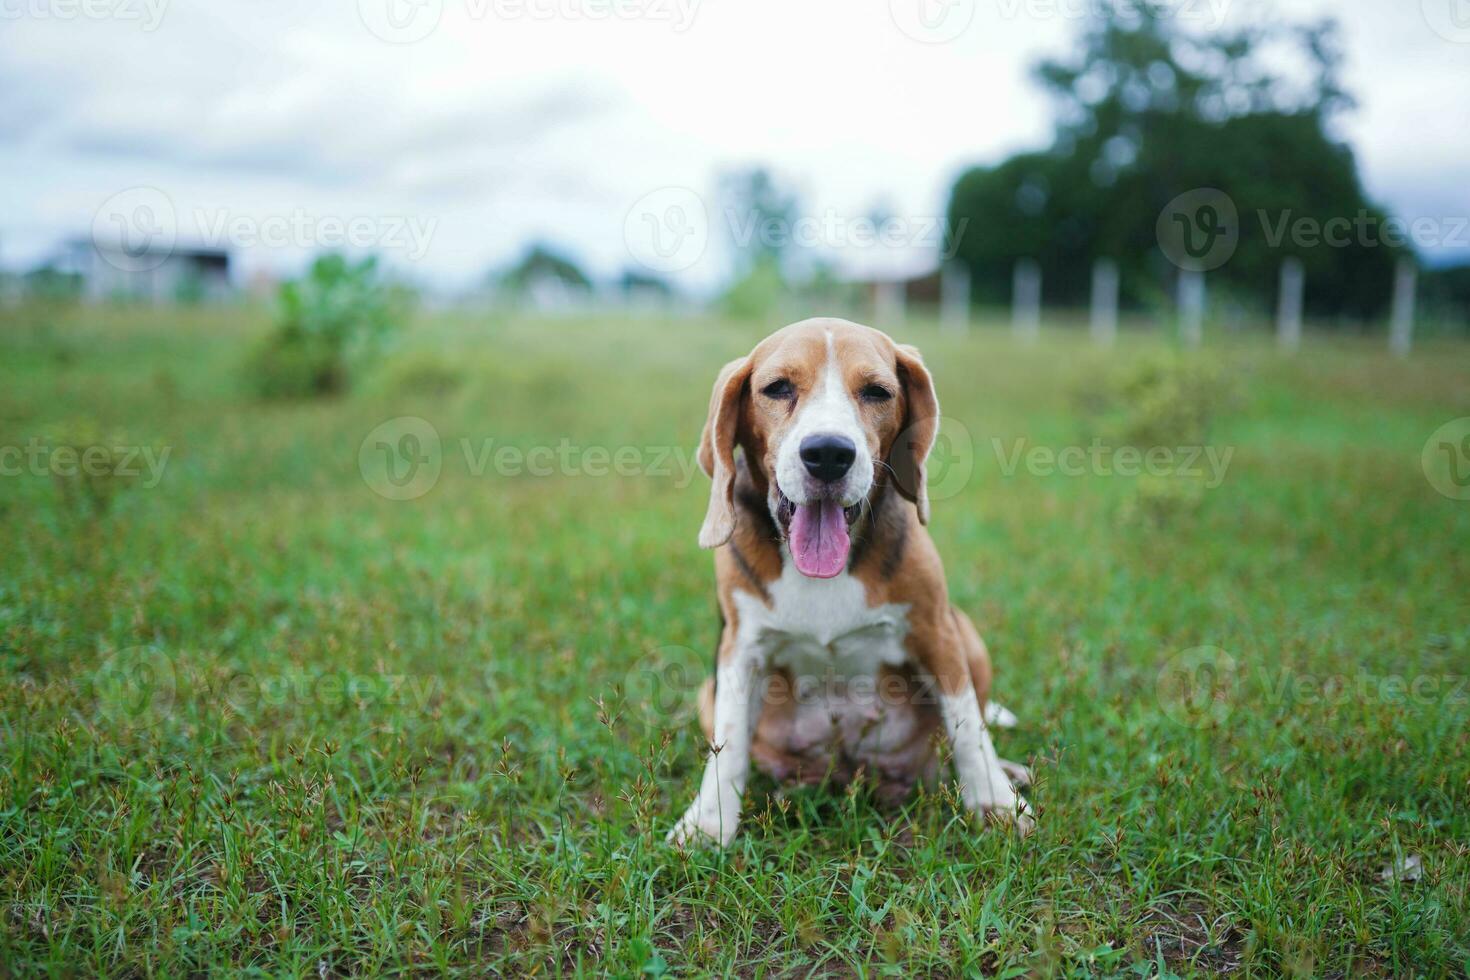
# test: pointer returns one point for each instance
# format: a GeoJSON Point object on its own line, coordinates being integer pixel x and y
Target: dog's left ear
{"type": "Point", "coordinates": [920, 429]}
{"type": "Point", "coordinates": [717, 451]}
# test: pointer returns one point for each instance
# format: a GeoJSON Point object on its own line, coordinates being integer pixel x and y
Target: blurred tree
{"type": "Point", "coordinates": [49, 284]}
{"type": "Point", "coordinates": [760, 216]}
{"type": "Point", "coordinates": [637, 282]}
{"type": "Point", "coordinates": [758, 293]}
{"type": "Point", "coordinates": [1446, 295]}
{"type": "Point", "coordinates": [1149, 111]}
{"type": "Point", "coordinates": [544, 264]}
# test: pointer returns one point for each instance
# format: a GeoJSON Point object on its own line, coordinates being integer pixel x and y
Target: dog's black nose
{"type": "Point", "coordinates": [828, 458]}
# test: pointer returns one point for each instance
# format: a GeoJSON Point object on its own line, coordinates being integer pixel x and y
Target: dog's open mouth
{"type": "Point", "coordinates": [818, 534]}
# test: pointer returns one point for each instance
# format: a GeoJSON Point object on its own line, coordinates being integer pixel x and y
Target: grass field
{"type": "Point", "coordinates": [257, 715]}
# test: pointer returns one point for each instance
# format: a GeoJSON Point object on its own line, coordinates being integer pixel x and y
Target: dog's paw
{"type": "Point", "coordinates": [1019, 775]}
{"type": "Point", "coordinates": [699, 829]}
{"type": "Point", "coordinates": [1000, 804]}
{"type": "Point", "coordinates": [999, 716]}
{"type": "Point", "coordinates": [1017, 816]}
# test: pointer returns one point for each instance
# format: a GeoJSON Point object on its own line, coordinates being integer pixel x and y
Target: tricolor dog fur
{"type": "Point", "coordinates": [840, 654]}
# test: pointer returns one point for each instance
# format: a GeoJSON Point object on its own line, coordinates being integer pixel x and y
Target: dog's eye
{"type": "Point", "coordinates": [779, 389]}
{"type": "Point", "coordinates": [876, 393]}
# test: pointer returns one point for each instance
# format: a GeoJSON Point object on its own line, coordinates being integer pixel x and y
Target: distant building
{"type": "Point", "coordinates": [917, 290]}
{"type": "Point", "coordinates": [174, 275]}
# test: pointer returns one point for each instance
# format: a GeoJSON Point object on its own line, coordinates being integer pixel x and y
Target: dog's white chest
{"type": "Point", "coordinates": [820, 628]}
{"type": "Point", "coordinates": [836, 714]}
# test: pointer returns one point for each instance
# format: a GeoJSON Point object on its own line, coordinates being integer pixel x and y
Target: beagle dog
{"type": "Point", "coordinates": [840, 654]}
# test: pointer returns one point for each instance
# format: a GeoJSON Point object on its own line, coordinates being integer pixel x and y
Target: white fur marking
{"type": "Point", "coordinates": [984, 785]}
{"type": "Point", "coordinates": [829, 410]}
{"type": "Point", "coordinates": [715, 812]}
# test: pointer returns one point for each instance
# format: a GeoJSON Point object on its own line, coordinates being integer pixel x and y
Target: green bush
{"type": "Point", "coordinates": [90, 466]}
{"type": "Point", "coordinates": [1167, 400]}
{"type": "Point", "coordinates": [757, 294]}
{"type": "Point", "coordinates": [423, 373]}
{"type": "Point", "coordinates": [330, 319]}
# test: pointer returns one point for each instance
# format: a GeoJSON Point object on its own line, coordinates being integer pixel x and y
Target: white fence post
{"type": "Point", "coordinates": [888, 304]}
{"type": "Point", "coordinates": [1401, 327]}
{"type": "Point", "coordinates": [954, 298]}
{"type": "Point", "coordinates": [1191, 308]}
{"type": "Point", "coordinates": [1104, 324]}
{"type": "Point", "coordinates": [1026, 299]}
{"type": "Point", "coordinates": [1289, 304]}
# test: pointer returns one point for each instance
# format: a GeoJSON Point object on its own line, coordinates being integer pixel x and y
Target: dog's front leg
{"type": "Point", "coordinates": [715, 812]}
{"type": "Point", "coordinates": [985, 787]}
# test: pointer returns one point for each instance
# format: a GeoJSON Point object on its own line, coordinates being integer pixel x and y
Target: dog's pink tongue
{"type": "Point", "coordinates": [819, 539]}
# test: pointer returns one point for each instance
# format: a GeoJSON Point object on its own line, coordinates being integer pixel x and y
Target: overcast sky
{"type": "Point", "coordinates": [449, 132]}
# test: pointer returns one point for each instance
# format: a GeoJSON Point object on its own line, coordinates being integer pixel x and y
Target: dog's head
{"type": "Point", "coordinates": [825, 410]}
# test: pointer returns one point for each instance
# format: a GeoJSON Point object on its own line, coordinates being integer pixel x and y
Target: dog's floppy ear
{"type": "Point", "coordinates": [920, 429]}
{"type": "Point", "coordinates": [717, 451]}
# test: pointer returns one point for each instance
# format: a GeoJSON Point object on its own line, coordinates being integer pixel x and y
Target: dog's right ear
{"type": "Point", "coordinates": [717, 451]}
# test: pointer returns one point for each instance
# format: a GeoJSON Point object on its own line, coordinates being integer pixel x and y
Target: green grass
{"type": "Point", "coordinates": [258, 717]}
